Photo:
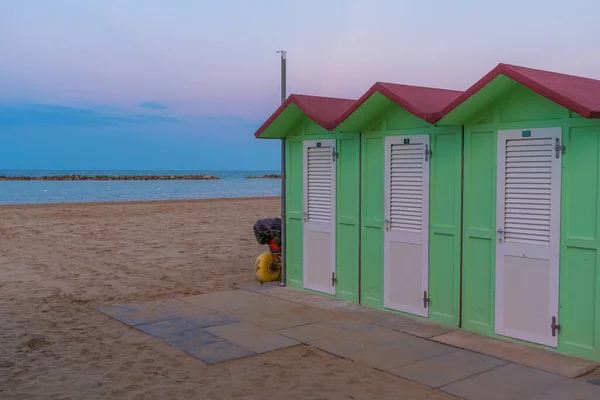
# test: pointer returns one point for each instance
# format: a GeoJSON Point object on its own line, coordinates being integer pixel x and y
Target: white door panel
{"type": "Point", "coordinates": [406, 237]}
{"type": "Point", "coordinates": [527, 243]}
{"type": "Point", "coordinates": [319, 215]}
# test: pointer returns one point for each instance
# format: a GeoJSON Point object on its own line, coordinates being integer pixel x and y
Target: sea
{"type": "Point", "coordinates": [230, 185]}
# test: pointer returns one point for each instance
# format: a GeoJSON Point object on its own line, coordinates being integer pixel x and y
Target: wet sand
{"type": "Point", "coordinates": [58, 263]}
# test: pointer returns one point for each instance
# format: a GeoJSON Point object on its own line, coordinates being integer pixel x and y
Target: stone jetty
{"type": "Point", "coordinates": [269, 176]}
{"type": "Point", "coordinates": [202, 177]}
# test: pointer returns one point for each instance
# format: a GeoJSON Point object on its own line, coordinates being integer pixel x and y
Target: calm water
{"type": "Point", "coordinates": [231, 184]}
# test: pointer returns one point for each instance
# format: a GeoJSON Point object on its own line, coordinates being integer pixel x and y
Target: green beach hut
{"type": "Point", "coordinates": [531, 214]}
{"type": "Point", "coordinates": [322, 195]}
{"type": "Point", "coordinates": [477, 209]}
{"type": "Point", "coordinates": [410, 201]}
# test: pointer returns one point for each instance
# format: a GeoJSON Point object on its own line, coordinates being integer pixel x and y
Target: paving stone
{"type": "Point", "coordinates": [383, 355]}
{"type": "Point", "coordinates": [403, 323]}
{"type": "Point", "coordinates": [142, 313]}
{"type": "Point", "coordinates": [275, 320]}
{"type": "Point", "coordinates": [232, 302]}
{"type": "Point", "coordinates": [201, 317]}
{"type": "Point", "coordinates": [446, 368]}
{"type": "Point", "coordinates": [336, 328]}
{"type": "Point", "coordinates": [209, 347]}
{"type": "Point", "coordinates": [508, 382]}
{"type": "Point", "coordinates": [166, 329]}
{"type": "Point", "coordinates": [546, 360]}
{"type": "Point", "coordinates": [192, 339]}
{"type": "Point", "coordinates": [252, 337]}
{"type": "Point", "coordinates": [571, 390]}
{"type": "Point", "coordinates": [258, 288]}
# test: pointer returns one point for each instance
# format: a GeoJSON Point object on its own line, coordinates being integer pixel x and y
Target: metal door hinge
{"type": "Point", "coordinates": [555, 327]}
{"type": "Point", "coordinates": [427, 153]}
{"type": "Point", "coordinates": [334, 154]}
{"type": "Point", "coordinates": [333, 279]}
{"type": "Point", "coordinates": [426, 300]}
{"type": "Point", "coordinates": [559, 148]}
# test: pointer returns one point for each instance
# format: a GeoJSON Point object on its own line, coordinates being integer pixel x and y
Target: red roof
{"type": "Point", "coordinates": [325, 111]}
{"type": "Point", "coordinates": [423, 102]}
{"type": "Point", "coordinates": [578, 94]}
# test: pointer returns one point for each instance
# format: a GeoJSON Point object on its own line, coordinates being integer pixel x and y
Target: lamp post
{"type": "Point", "coordinates": [282, 281]}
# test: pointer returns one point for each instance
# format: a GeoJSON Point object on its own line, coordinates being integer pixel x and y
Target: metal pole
{"type": "Point", "coordinates": [282, 282]}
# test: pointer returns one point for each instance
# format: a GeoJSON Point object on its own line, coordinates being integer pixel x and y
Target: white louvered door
{"type": "Point", "coordinates": [406, 235]}
{"type": "Point", "coordinates": [319, 215]}
{"type": "Point", "coordinates": [528, 234]}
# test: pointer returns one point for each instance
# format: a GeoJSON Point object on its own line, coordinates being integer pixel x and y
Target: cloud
{"type": "Point", "coordinates": [154, 105]}
{"type": "Point", "coordinates": [58, 115]}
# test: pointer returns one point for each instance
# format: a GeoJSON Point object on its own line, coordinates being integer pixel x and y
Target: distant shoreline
{"type": "Point", "coordinates": [266, 176]}
{"type": "Point", "coordinates": [76, 177]}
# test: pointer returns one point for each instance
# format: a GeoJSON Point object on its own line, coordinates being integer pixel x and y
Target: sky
{"type": "Point", "coordinates": [184, 84]}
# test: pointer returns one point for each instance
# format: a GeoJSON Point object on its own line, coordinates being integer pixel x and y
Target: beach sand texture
{"type": "Point", "coordinates": [58, 263]}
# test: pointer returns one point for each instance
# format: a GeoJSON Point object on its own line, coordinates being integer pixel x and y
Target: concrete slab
{"type": "Point", "coordinates": [200, 316]}
{"type": "Point", "coordinates": [508, 382]}
{"type": "Point", "coordinates": [192, 339]}
{"type": "Point", "coordinates": [258, 288]}
{"type": "Point", "coordinates": [447, 368]}
{"type": "Point", "coordinates": [232, 302]}
{"type": "Point", "coordinates": [286, 317]}
{"type": "Point", "coordinates": [410, 325]}
{"type": "Point", "coordinates": [386, 319]}
{"type": "Point", "coordinates": [531, 356]}
{"type": "Point", "coordinates": [339, 328]}
{"type": "Point", "coordinates": [384, 355]}
{"type": "Point", "coordinates": [142, 313]}
{"type": "Point", "coordinates": [215, 352]}
{"type": "Point", "coordinates": [166, 329]}
{"type": "Point", "coordinates": [309, 299]}
{"type": "Point", "coordinates": [252, 337]}
{"type": "Point", "coordinates": [571, 390]}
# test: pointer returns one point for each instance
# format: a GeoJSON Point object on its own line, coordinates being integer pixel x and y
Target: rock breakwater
{"type": "Point", "coordinates": [202, 177]}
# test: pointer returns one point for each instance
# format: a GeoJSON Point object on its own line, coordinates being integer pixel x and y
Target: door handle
{"type": "Point", "coordinates": [500, 230]}
{"type": "Point", "coordinates": [387, 222]}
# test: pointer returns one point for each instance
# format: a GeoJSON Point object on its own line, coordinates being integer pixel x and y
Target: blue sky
{"type": "Point", "coordinates": [158, 84]}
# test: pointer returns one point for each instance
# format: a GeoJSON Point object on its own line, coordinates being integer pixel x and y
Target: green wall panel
{"type": "Point", "coordinates": [294, 213]}
{"type": "Point", "coordinates": [371, 273]}
{"type": "Point", "coordinates": [579, 274]}
{"type": "Point", "coordinates": [479, 231]}
{"type": "Point", "coordinates": [445, 222]}
{"type": "Point", "coordinates": [347, 221]}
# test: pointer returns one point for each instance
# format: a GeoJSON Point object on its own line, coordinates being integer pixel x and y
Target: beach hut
{"type": "Point", "coordinates": [478, 209]}
{"type": "Point", "coordinates": [410, 201]}
{"type": "Point", "coordinates": [531, 214]}
{"type": "Point", "coordinates": [322, 195]}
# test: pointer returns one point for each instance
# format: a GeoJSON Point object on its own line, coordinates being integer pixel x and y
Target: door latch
{"type": "Point", "coordinates": [555, 327]}
{"type": "Point", "coordinates": [427, 152]}
{"type": "Point", "coordinates": [501, 231]}
{"type": "Point", "coordinates": [559, 148]}
{"type": "Point", "coordinates": [333, 279]}
{"type": "Point", "coordinates": [388, 223]}
{"type": "Point", "coordinates": [426, 300]}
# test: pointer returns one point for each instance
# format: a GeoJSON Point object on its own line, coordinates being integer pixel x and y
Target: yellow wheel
{"type": "Point", "coordinates": [266, 269]}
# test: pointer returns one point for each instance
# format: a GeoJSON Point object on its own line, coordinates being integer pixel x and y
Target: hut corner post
{"type": "Point", "coordinates": [282, 281]}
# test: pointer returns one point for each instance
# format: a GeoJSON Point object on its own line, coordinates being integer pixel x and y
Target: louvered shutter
{"type": "Point", "coordinates": [406, 192]}
{"type": "Point", "coordinates": [319, 185]}
{"type": "Point", "coordinates": [528, 177]}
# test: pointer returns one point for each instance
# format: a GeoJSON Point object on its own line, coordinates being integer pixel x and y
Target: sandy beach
{"type": "Point", "coordinates": [58, 263]}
